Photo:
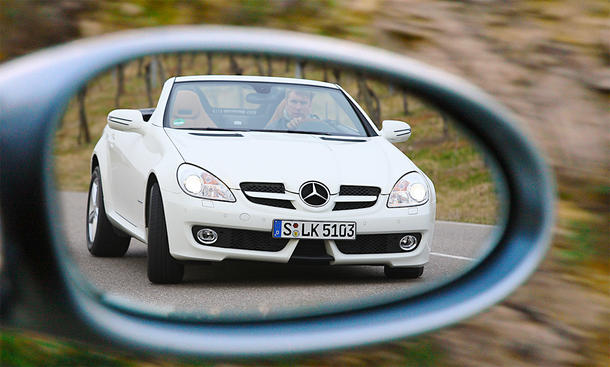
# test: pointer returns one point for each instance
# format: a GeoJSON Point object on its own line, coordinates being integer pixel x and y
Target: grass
{"type": "Point", "coordinates": [27, 349]}
{"type": "Point", "coordinates": [465, 189]}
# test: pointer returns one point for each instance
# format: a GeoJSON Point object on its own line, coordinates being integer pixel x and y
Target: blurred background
{"type": "Point", "coordinates": [548, 61]}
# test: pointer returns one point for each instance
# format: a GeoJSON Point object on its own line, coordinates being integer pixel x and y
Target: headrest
{"type": "Point", "coordinates": [187, 105]}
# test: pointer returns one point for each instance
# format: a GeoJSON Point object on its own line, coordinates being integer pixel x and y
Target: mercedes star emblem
{"type": "Point", "coordinates": [314, 193]}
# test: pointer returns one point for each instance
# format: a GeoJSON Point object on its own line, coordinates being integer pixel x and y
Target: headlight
{"type": "Point", "coordinates": [410, 190]}
{"type": "Point", "coordinates": [200, 183]}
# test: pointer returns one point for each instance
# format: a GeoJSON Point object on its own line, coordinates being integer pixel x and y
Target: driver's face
{"type": "Point", "coordinates": [297, 105]}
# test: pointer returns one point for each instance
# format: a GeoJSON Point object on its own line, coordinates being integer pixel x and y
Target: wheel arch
{"type": "Point", "coordinates": [152, 179]}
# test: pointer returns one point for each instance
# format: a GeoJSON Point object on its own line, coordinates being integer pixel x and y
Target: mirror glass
{"type": "Point", "coordinates": [263, 157]}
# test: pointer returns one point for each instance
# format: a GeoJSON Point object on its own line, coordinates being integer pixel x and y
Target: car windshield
{"type": "Point", "coordinates": [262, 106]}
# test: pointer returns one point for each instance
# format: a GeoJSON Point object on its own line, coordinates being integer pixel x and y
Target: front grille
{"type": "Point", "coordinates": [244, 239]}
{"type": "Point", "coordinates": [270, 187]}
{"type": "Point", "coordinates": [263, 187]}
{"type": "Point", "coordinates": [348, 205]}
{"type": "Point", "coordinates": [271, 202]}
{"type": "Point", "coordinates": [374, 243]}
{"type": "Point", "coordinates": [352, 190]}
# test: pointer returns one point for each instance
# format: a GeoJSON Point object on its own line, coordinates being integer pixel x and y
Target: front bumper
{"type": "Point", "coordinates": [182, 212]}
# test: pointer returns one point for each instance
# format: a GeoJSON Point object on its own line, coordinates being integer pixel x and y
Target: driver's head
{"type": "Point", "coordinates": [298, 103]}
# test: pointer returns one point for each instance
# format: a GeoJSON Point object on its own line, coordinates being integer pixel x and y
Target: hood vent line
{"type": "Point", "coordinates": [237, 135]}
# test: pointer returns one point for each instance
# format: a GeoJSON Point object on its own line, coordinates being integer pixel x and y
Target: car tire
{"type": "Point", "coordinates": [403, 272]}
{"type": "Point", "coordinates": [103, 239]}
{"type": "Point", "coordinates": [162, 267]}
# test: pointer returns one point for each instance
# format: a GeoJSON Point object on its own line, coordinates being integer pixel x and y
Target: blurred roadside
{"type": "Point", "coordinates": [548, 61]}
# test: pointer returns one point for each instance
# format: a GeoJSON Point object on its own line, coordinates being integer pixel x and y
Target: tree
{"type": "Point", "coordinates": [83, 127]}
{"type": "Point", "coordinates": [120, 88]}
{"type": "Point", "coordinates": [371, 101]}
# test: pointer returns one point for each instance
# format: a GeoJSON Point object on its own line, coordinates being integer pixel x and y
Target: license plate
{"type": "Point", "coordinates": [314, 230]}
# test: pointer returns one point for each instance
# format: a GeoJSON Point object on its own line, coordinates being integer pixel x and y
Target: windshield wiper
{"type": "Point", "coordinates": [291, 131]}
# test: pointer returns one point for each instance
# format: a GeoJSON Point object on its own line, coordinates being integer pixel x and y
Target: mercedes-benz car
{"type": "Point", "coordinates": [258, 168]}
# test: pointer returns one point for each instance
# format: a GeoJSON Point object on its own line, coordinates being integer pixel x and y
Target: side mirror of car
{"type": "Point", "coordinates": [395, 131]}
{"type": "Point", "coordinates": [125, 120]}
{"type": "Point", "coordinates": [41, 289]}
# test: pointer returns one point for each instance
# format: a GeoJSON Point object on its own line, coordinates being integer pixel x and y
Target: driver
{"type": "Point", "coordinates": [297, 109]}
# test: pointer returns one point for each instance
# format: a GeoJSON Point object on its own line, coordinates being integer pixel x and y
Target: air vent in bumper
{"type": "Point", "coordinates": [244, 239]}
{"type": "Point", "coordinates": [374, 243]}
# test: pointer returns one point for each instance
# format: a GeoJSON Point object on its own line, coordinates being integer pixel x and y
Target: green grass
{"type": "Point", "coordinates": [19, 348]}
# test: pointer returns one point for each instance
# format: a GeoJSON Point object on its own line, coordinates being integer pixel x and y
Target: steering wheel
{"type": "Point", "coordinates": [316, 125]}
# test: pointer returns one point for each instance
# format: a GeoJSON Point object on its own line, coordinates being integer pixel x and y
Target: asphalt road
{"type": "Point", "coordinates": [262, 289]}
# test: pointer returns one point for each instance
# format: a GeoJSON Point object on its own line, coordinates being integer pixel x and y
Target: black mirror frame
{"type": "Point", "coordinates": [41, 292]}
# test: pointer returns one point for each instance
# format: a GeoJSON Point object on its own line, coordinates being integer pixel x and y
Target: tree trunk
{"type": "Point", "coordinates": [140, 62]}
{"type": "Point", "coordinates": [371, 101]}
{"type": "Point", "coordinates": [405, 103]}
{"type": "Point", "coordinates": [160, 69]}
{"type": "Point", "coordinates": [151, 72]}
{"type": "Point", "coordinates": [210, 68]}
{"type": "Point", "coordinates": [299, 70]}
{"type": "Point", "coordinates": [269, 66]}
{"type": "Point", "coordinates": [445, 119]}
{"type": "Point", "coordinates": [259, 64]}
{"type": "Point", "coordinates": [325, 70]}
{"type": "Point", "coordinates": [337, 75]}
{"type": "Point", "coordinates": [120, 87]}
{"type": "Point", "coordinates": [235, 69]}
{"type": "Point", "coordinates": [179, 64]}
{"type": "Point", "coordinates": [83, 131]}
{"type": "Point", "coordinates": [148, 77]}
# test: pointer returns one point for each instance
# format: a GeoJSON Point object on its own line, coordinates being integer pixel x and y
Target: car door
{"type": "Point", "coordinates": [128, 175]}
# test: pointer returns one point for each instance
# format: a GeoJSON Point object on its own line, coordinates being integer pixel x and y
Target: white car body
{"type": "Point", "coordinates": [128, 159]}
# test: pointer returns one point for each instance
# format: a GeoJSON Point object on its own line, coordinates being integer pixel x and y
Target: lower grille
{"type": "Point", "coordinates": [244, 239]}
{"type": "Point", "coordinates": [374, 243]}
{"type": "Point", "coordinates": [311, 251]}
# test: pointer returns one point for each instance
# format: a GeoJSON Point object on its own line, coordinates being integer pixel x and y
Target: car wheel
{"type": "Point", "coordinates": [403, 272]}
{"type": "Point", "coordinates": [103, 240]}
{"type": "Point", "coordinates": [162, 267]}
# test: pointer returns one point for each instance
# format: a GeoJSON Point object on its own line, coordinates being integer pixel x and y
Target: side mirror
{"type": "Point", "coordinates": [395, 131]}
{"type": "Point", "coordinates": [39, 281]}
{"type": "Point", "coordinates": [125, 120]}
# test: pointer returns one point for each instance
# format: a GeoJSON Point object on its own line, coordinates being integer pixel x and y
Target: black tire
{"type": "Point", "coordinates": [103, 239]}
{"type": "Point", "coordinates": [162, 267]}
{"type": "Point", "coordinates": [403, 272]}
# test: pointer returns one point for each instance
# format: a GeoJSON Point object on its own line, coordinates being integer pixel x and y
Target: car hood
{"type": "Point", "coordinates": [293, 159]}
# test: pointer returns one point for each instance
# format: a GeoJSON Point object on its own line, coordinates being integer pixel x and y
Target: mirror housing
{"type": "Point", "coordinates": [395, 131]}
{"type": "Point", "coordinates": [125, 120]}
{"type": "Point", "coordinates": [41, 280]}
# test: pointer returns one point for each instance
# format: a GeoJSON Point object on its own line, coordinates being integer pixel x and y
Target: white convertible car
{"type": "Point", "coordinates": [258, 168]}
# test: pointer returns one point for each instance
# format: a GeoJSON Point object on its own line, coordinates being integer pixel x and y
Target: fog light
{"type": "Point", "coordinates": [207, 236]}
{"type": "Point", "coordinates": [408, 243]}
